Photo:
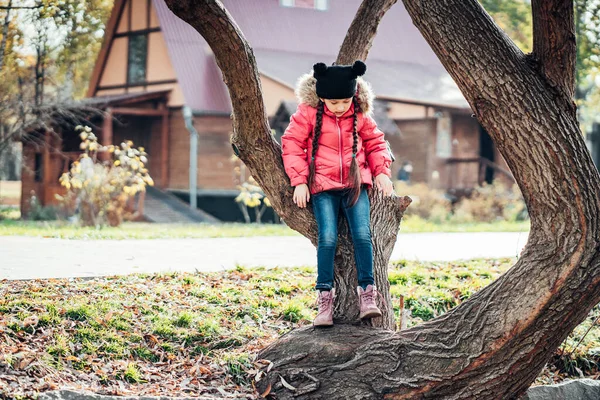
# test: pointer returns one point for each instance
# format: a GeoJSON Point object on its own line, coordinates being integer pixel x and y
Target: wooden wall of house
{"type": "Point", "coordinates": [418, 145]}
{"type": "Point", "coordinates": [143, 131]}
{"type": "Point", "coordinates": [136, 18]}
{"type": "Point", "coordinates": [399, 110]}
{"type": "Point", "coordinates": [41, 169]}
{"type": "Point", "coordinates": [179, 153]}
{"type": "Point", "coordinates": [465, 137]}
{"type": "Point", "coordinates": [274, 93]}
{"type": "Point", "coordinates": [466, 130]}
{"type": "Point", "coordinates": [414, 145]}
{"type": "Point", "coordinates": [215, 169]}
{"type": "Point", "coordinates": [156, 153]}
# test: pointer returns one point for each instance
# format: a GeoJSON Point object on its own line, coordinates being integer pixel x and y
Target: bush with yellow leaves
{"type": "Point", "coordinates": [102, 189]}
{"type": "Point", "coordinates": [251, 194]}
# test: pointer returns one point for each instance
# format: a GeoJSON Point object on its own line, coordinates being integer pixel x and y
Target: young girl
{"type": "Point", "coordinates": [332, 149]}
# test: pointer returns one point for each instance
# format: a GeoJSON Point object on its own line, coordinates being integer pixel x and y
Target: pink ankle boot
{"type": "Point", "coordinates": [325, 314]}
{"type": "Point", "coordinates": [368, 306]}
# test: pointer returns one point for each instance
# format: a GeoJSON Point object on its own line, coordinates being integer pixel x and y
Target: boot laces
{"type": "Point", "coordinates": [325, 301]}
{"type": "Point", "coordinates": [368, 296]}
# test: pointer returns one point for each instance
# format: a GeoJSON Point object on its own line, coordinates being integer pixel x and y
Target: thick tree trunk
{"type": "Point", "coordinates": [262, 154]}
{"type": "Point", "coordinates": [493, 345]}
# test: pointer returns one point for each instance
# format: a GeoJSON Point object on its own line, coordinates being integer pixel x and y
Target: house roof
{"type": "Point", "coordinates": [384, 122]}
{"type": "Point", "coordinates": [197, 72]}
{"type": "Point", "coordinates": [401, 65]}
{"type": "Point", "coordinates": [122, 99]}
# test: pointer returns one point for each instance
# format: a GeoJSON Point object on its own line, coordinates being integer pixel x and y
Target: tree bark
{"type": "Point", "coordinates": [554, 42]}
{"type": "Point", "coordinates": [261, 153]}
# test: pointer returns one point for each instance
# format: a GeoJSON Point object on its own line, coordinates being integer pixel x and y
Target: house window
{"type": "Point", "coordinates": [138, 50]}
{"type": "Point", "coordinates": [316, 4]}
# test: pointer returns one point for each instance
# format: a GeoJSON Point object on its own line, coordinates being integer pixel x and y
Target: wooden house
{"type": "Point", "coordinates": [158, 82]}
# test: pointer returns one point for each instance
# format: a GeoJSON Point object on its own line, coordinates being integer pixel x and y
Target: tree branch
{"type": "Point", "coordinates": [554, 44]}
{"type": "Point", "coordinates": [362, 31]}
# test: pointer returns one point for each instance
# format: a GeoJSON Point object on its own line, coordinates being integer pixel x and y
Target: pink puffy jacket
{"type": "Point", "coordinates": [334, 153]}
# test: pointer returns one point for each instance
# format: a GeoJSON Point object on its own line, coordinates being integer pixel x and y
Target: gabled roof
{"type": "Point", "coordinates": [111, 28]}
{"type": "Point", "coordinates": [197, 72]}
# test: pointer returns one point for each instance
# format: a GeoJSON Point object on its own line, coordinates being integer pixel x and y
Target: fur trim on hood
{"type": "Point", "coordinates": [306, 92]}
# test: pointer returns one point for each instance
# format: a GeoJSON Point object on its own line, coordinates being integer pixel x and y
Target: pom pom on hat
{"type": "Point", "coordinates": [359, 68]}
{"type": "Point", "coordinates": [320, 69]}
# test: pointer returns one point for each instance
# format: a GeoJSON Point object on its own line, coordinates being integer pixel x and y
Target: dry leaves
{"type": "Point", "coordinates": [36, 334]}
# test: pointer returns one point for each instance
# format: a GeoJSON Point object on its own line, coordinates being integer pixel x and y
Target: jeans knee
{"type": "Point", "coordinates": [327, 239]}
{"type": "Point", "coordinates": [362, 237]}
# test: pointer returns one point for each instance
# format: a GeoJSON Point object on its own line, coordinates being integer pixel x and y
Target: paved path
{"type": "Point", "coordinates": [29, 257]}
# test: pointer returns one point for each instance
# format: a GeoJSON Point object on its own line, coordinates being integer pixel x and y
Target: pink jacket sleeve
{"type": "Point", "coordinates": [294, 143]}
{"type": "Point", "coordinates": [376, 151]}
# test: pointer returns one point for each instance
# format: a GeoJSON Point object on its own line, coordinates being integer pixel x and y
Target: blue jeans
{"type": "Point", "coordinates": [326, 207]}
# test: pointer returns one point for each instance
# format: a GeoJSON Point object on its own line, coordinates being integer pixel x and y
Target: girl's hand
{"type": "Point", "coordinates": [301, 195]}
{"type": "Point", "coordinates": [383, 183]}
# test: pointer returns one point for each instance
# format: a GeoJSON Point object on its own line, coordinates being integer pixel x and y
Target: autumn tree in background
{"type": "Point", "coordinates": [47, 51]}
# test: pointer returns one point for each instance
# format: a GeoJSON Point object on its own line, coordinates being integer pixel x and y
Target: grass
{"type": "Point", "coordinates": [156, 334]}
{"type": "Point", "coordinates": [140, 230]}
{"type": "Point", "coordinates": [10, 225]}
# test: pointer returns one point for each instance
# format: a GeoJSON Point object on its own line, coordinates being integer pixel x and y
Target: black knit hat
{"type": "Point", "coordinates": [337, 81]}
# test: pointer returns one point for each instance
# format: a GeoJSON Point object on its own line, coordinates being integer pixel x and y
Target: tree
{"type": "Point", "coordinates": [51, 63]}
{"type": "Point", "coordinates": [493, 345]}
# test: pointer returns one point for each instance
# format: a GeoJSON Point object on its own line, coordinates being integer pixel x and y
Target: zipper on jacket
{"type": "Point", "coordinates": [341, 150]}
